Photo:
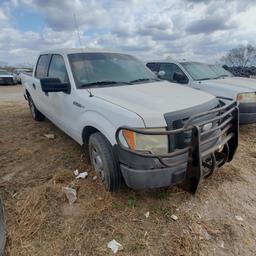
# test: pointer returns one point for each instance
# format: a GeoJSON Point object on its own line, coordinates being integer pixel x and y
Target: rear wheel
{"type": "Point", "coordinates": [103, 160]}
{"type": "Point", "coordinates": [36, 114]}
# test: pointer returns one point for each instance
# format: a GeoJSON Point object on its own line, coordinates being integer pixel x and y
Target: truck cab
{"type": "Point", "coordinates": [148, 132]}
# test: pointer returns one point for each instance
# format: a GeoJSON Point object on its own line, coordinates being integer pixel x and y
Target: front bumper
{"type": "Point", "coordinates": [188, 165]}
{"type": "Point", "coordinates": [247, 113]}
{"type": "Point", "coordinates": [141, 173]}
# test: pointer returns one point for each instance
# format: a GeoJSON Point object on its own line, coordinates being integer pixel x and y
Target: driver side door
{"type": "Point", "coordinates": [58, 101]}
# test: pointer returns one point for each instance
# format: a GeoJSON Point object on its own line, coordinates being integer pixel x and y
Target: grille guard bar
{"type": "Point", "coordinates": [227, 119]}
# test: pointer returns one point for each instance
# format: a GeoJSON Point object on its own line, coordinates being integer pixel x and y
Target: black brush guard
{"type": "Point", "coordinates": [226, 119]}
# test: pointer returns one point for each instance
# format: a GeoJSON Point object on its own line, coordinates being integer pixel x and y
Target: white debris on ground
{"type": "Point", "coordinates": [221, 244]}
{"type": "Point", "coordinates": [70, 194]}
{"type": "Point", "coordinates": [76, 172]}
{"type": "Point", "coordinates": [49, 136]}
{"type": "Point", "coordinates": [82, 175]}
{"type": "Point", "coordinates": [174, 217]}
{"type": "Point", "coordinates": [94, 178]}
{"type": "Point", "coordinates": [114, 246]}
{"type": "Point", "coordinates": [146, 214]}
{"type": "Point", "coordinates": [239, 218]}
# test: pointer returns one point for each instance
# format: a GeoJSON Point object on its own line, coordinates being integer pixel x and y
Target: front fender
{"type": "Point", "coordinates": [218, 89]}
{"type": "Point", "coordinates": [100, 122]}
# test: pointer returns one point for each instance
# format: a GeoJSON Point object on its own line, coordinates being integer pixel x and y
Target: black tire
{"type": "Point", "coordinates": [35, 113]}
{"type": "Point", "coordinates": [104, 161]}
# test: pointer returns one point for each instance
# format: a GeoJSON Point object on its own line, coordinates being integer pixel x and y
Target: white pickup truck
{"type": "Point", "coordinates": [147, 132]}
{"type": "Point", "coordinates": [211, 79]}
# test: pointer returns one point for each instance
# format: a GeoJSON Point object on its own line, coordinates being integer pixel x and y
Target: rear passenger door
{"type": "Point", "coordinates": [173, 73]}
{"type": "Point", "coordinates": [41, 70]}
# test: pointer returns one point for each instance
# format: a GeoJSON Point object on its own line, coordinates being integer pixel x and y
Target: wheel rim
{"type": "Point", "coordinates": [98, 163]}
{"type": "Point", "coordinates": [32, 109]}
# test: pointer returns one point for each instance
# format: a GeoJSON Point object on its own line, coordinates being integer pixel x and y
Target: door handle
{"type": "Point", "coordinates": [34, 86]}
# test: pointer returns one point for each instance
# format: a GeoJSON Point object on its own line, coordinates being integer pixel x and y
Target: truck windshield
{"type": "Point", "coordinates": [3, 72]}
{"type": "Point", "coordinates": [106, 69]}
{"type": "Point", "coordinates": [220, 71]}
{"type": "Point", "coordinates": [199, 71]}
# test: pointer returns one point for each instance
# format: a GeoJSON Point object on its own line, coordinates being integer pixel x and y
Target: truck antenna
{"type": "Point", "coordinates": [77, 29]}
{"type": "Point", "coordinates": [90, 93]}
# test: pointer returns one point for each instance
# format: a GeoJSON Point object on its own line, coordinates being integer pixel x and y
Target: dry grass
{"type": "Point", "coordinates": [40, 221]}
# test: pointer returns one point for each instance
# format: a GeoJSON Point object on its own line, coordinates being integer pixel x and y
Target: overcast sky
{"type": "Point", "coordinates": [150, 29]}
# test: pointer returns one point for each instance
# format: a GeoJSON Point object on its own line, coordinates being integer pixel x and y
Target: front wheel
{"type": "Point", "coordinates": [36, 114]}
{"type": "Point", "coordinates": [103, 160]}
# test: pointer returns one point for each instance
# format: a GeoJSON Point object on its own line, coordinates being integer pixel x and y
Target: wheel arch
{"type": "Point", "coordinates": [87, 132]}
{"type": "Point", "coordinates": [93, 121]}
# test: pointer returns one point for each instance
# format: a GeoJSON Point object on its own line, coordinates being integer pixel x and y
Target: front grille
{"type": "Point", "coordinates": [183, 139]}
{"type": "Point", "coordinates": [6, 80]}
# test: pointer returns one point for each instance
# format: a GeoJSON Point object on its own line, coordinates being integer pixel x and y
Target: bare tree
{"type": "Point", "coordinates": [242, 56]}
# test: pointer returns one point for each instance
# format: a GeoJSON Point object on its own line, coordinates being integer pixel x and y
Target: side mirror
{"type": "Point", "coordinates": [180, 78]}
{"type": "Point", "coordinates": [161, 73]}
{"type": "Point", "coordinates": [54, 85]}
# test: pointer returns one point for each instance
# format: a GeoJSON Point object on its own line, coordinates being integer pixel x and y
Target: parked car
{"type": "Point", "coordinates": [19, 71]}
{"type": "Point", "coordinates": [201, 76]}
{"type": "Point", "coordinates": [6, 78]}
{"type": "Point", "coordinates": [149, 132]}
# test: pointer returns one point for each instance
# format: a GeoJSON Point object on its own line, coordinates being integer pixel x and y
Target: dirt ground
{"type": "Point", "coordinates": [219, 220]}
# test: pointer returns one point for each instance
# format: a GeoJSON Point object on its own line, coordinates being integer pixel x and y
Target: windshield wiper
{"type": "Point", "coordinates": [99, 83]}
{"type": "Point", "coordinates": [144, 79]}
{"type": "Point", "coordinates": [202, 79]}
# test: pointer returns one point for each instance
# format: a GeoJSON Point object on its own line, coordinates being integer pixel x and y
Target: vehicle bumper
{"type": "Point", "coordinates": [142, 173]}
{"type": "Point", "coordinates": [156, 178]}
{"type": "Point", "coordinates": [247, 113]}
{"type": "Point", "coordinates": [188, 165]}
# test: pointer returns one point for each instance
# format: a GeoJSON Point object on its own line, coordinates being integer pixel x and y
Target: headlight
{"type": "Point", "coordinates": [247, 97]}
{"type": "Point", "coordinates": [156, 144]}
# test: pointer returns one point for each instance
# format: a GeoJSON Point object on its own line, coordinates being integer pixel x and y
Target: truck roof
{"type": "Point", "coordinates": [78, 50]}
{"type": "Point", "coordinates": [169, 59]}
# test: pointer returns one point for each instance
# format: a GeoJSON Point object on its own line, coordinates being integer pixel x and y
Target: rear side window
{"type": "Point", "coordinates": [153, 66]}
{"type": "Point", "coordinates": [57, 68]}
{"type": "Point", "coordinates": [42, 66]}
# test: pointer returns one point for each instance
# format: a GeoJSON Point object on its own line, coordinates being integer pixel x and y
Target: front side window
{"type": "Point", "coordinates": [199, 71]}
{"type": "Point", "coordinates": [57, 68]}
{"type": "Point", "coordinates": [42, 66]}
{"type": "Point", "coordinates": [96, 68]}
{"type": "Point", "coordinates": [153, 66]}
{"type": "Point", "coordinates": [173, 73]}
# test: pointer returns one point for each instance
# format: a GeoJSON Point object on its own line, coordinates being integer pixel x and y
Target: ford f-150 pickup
{"type": "Point", "coordinates": [211, 79]}
{"type": "Point", "coordinates": [147, 132]}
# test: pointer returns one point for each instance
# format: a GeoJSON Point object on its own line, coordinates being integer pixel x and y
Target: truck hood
{"type": "Point", "coordinates": [247, 83]}
{"type": "Point", "coordinates": [152, 100]}
{"type": "Point", "coordinates": [228, 86]}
